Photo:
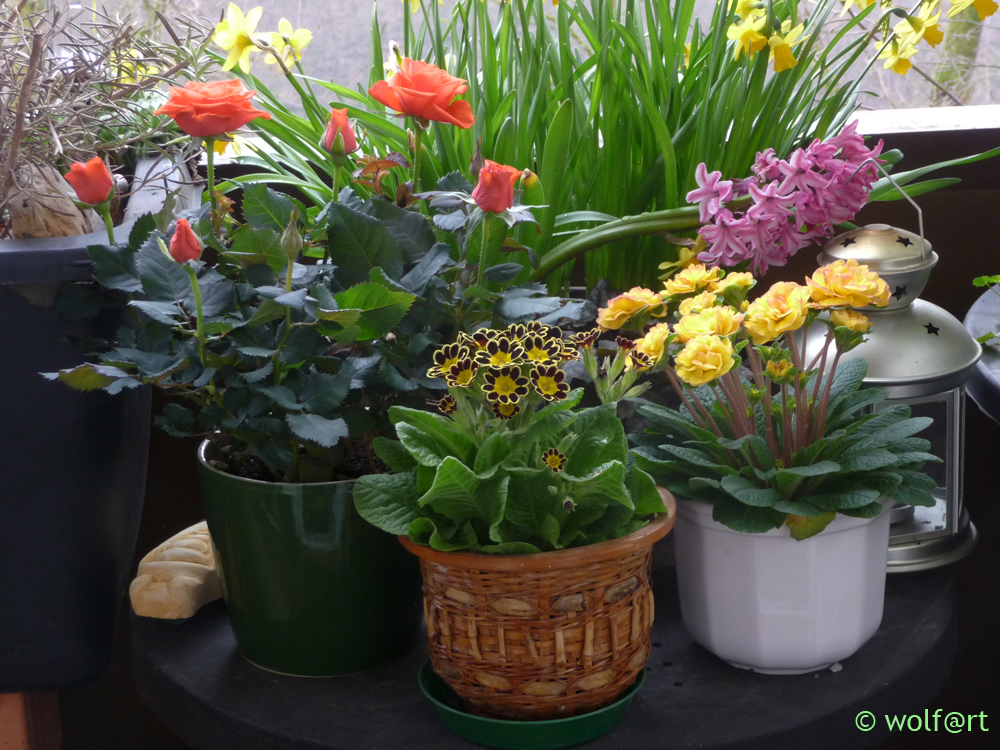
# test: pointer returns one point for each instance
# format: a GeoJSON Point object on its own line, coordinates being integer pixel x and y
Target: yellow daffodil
{"type": "Point", "coordinates": [747, 8]}
{"type": "Point", "coordinates": [686, 256]}
{"type": "Point", "coordinates": [781, 46]}
{"type": "Point", "coordinates": [984, 8]}
{"type": "Point", "coordinates": [687, 54]}
{"type": "Point", "coordinates": [288, 43]}
{"type": "Point", "coordinates": [897, 56]}
{"type": "Point", "coordinates": [235, 34]}
{"type": "Point", "coordinates": [747, 36]}
{"type": "Point", "coordinates": [415, 4]}
{"type": "Point", "coordinates": [223, 142]}
{"type": "Point", "coordinates": [859, 4]}
{"type": "Point", "coordinates": [923, 26]}
{"type": "Point", "coordinates": [131, 67]}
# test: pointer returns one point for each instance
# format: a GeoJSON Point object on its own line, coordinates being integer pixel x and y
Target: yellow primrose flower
{"type": "Point", "coordinates": [742, 280]}
{"type": "Point", "coordinates": [697, 303]}
{"type": "Point", "coordinates": [235, 34]}
{"type": "Point", "coordinates": [847, 284]}
{"type": "Point", "coordinates": [653, 343]}
{"type": "Point", "coordinates": [694, 278]}
{"type": "Point", "coordinates": [984, 8]}
{"type": "Point", "coordinates": [623, 307]}
{"type": "Point", "coordinates": [852, 319]}
{"type": "Point", "coordinates": [704, 359]}
{"type": "Point", "coordinates": [783, 309]}
{"type": "Point", "coordinates": [722, 321]}
{"type": "Point", "coordinates": [781, 46]}
{"type": "Point", "coordinates": [747, 36]}
{"type": "Point", "coordinates": [897, 56]}
{"type": "Point", "coordinates": [860, 4]}
{"type": "Point", "coordinates": [778, 370]}
{"type": "Point", "coordinates": [288, 43]}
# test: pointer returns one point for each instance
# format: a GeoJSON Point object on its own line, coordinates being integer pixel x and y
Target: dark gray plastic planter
{"type": "Point", "coordinates": [72, 472]}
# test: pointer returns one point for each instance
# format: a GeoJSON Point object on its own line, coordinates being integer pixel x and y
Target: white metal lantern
{"type": "Point", "coordinates": [922, 356]}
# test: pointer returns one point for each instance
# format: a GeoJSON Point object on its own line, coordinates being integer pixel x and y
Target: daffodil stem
{"type": "Point", "coordinates": [418, 135]}
{"type": "Point", "coordinates": [210, 160]}
{"type": "Point", "coordinates": [199, 316]}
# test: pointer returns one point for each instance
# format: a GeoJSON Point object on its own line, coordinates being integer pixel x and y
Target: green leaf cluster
{"type": "Point", "coordinates": [458, 490]}
{"type": "Point", "coordinates": [866, 453]}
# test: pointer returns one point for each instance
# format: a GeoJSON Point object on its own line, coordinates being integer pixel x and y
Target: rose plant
{"type": "Point", "coordinates": [508, 464]}
{"type": "Point", "coordinates": [764, 436]}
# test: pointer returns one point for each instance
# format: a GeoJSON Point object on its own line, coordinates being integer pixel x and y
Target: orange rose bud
{"type": "Point", "coordinates": [339, 124]}
{"type": "Point", "coordinates": [495, 190]}
{"type": "Point", "coordinates": [425, 91]}
{"type": "Point", "coordinates": [91, 181]}
{"type": "Point", "coordinates": [207, 110]}
{"type": "Point", "coordinates": [184, 245]}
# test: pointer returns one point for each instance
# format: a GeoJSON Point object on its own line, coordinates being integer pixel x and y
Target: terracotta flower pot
{"type": "Point", "coordinates": [546, 635]}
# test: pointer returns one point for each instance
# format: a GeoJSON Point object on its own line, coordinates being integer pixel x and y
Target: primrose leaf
{"type": "Point", "coordinates": [388, 501]}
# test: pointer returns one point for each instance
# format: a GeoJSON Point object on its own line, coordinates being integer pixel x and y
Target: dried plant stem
{"type": "Point", "coordinates": [22, 105]}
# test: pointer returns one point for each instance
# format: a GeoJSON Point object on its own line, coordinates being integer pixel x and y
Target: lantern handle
{"type": "Point", "coordinates": [920, 214]}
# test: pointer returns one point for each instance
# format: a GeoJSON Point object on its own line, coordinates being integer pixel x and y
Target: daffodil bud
{"type": "Point", "coordinates": [291, 240]}
{"type": "Point", "coordinates": [532, 193]}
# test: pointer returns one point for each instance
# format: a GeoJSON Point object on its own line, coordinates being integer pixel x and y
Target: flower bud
{"type": "Point", "coordinates": [291, 240]}
{"type": "Point", "coordinates": [91, 181]}
{"type": "Point", "coordinates": [339, 138]}
{"type": "Point", "coordinates": [532, 193]}
{"type": "Point", "coordinates": [184, 245]}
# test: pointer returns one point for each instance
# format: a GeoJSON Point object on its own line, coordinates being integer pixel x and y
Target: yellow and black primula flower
{"type": "Point", "coordinates": [447, 405]}
{"type": "Point", "coordinates": [554, 332]}
{"type": "Point", "coordinates": [462, 373]}
{"type": "Point", "coordinates": [538, 349]}
{"type": "Point", "coordinates": [500, 352]}
{"type": "Point", "coordinates": [550, 382]}
{"type": "Point", "coordinates": [640, 360]}
{"type": "Point", "coordinates": [445, 357]}
{"type": "Point", "coordinates": [567, 351]}
{"type": "Point", "coordinates": [516, 332]}
{"type": "Point", "coordinates": [536, 328]}
{"type": "Point", "coordinates": [505, 385]}
{"type": "Point", "coordinates": [477, 339]}
{"type": "Point", "coordinates": [626, 345]}
{"type": "Point", "coordinates": [554, 459]}
{"type": "Point", "coordinates": [505, 411]}
{"type": "Point", "coordinates": [586, 339]}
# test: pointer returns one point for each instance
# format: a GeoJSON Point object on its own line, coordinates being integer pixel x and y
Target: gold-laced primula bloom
{"type": "Point", "coordinates": [462, 373]}
{"type": "Point", "coordinates": [585, 339]}
{"type": "Point", "coordinates": [505, 385]}
{"type": "Point", "coordinates": [554, 332]}
{"type": "Point", "coordinates": [476, 340]}
{"type": "Point", "coordinates": [567, 351]}
{"type": "Point", "coordinates": [640, 361]}
{"type": "Point", "coordinates": [554, 459]}
{"type": "Point", "coordinates": [549, 382]}
{"type": "Point", "coordinates": [626, 345]}
{"type": "Point", "coordinates": [499, 352]}
{"type": "Point", "coordinates": [505, 411]}
{"type": "Point", "coordinates": [516, 332]}
{"type": "Point", "coordinates": [536, 328]}
{"type": "Point", "coordinates": [447, 405]}
{"type": "Point", "coordinates": [445, 357]}
{"type": "Point", "coordinates": [538, 349]}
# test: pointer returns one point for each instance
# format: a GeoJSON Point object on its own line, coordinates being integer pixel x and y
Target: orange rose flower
{"type": "Point", "coordinates": [91, 181]}
{"type": "Point", "coordinates": [340, 124]}
{"type": "Point", "coordinates": [426, 92]}
{"type": "Point", "coordinates": [207, 110]}
{"type": "Point", "coordinates": [495, 189]}
{"type": "Point", "coordinates": [184, 245]}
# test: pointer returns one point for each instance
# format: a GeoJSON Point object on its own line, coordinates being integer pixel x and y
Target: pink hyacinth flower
{"type": "Point", "coordinates": [712, 192]}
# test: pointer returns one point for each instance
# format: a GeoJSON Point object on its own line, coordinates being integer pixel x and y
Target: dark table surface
{"type": "Point", "coordinates": [192, 676]}
{"type": "Point", "coordinates": [984, 385]}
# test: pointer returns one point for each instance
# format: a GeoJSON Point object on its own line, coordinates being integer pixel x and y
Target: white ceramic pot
{"type": "Point", "coordinates": [776, 605]}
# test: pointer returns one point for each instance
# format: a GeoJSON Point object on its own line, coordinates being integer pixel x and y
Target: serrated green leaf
{"type": "Point", "coordinates": [263, 208]}
{"type": "Point", "coordinates": [381, 309]}
{"type": "Point", "coordinates": [317, 429]}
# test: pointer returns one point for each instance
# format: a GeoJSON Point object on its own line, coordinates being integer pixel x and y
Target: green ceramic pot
{"type": "Point", "coordinates": [505, 734]}
{"type": "Point", "coordinates": [311, 588]}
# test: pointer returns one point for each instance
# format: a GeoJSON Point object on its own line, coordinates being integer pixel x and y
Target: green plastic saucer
{"type": "Point", "coordinates": [523, 735]}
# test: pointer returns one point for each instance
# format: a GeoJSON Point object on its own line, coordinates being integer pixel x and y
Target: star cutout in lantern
{"type": "Point", "coordinates": [904, 241]}
{"type": "Point", "coordinates": [848, 241]}
{"type": "Point", "coordinates": [899, 293]}
{"type": "Point", "coordinates": [931, 328]}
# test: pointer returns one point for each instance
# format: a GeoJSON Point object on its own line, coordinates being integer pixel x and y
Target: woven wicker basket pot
{"type": "Point", "coordinates": [541, 636]}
